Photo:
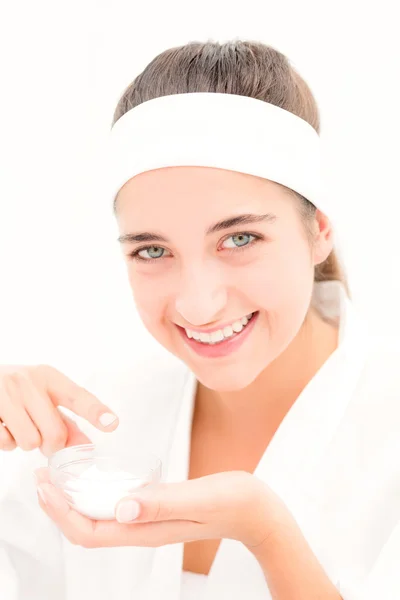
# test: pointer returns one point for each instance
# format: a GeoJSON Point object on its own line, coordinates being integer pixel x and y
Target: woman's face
{"type": "Point", "coordinates": [191, 267]}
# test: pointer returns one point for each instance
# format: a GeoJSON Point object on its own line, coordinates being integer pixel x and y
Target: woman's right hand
{"type": "Point", "coordinates": [29, 417]}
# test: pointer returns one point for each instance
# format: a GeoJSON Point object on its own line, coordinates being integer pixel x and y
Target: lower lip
{"type": "Point", "coordinates": [222, 348]}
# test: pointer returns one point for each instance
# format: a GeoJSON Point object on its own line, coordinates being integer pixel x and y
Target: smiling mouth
{"type": "Point", "coordinates": [221, 335]}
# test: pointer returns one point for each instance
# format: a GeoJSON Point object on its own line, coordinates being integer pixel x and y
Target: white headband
{"type": "Point", "coordinates": [226, 131]}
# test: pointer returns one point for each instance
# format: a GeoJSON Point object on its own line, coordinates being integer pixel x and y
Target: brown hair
{"type": "Point", "coordinates": [247, 68]}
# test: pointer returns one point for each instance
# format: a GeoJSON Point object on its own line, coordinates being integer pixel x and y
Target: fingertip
{"type": "Point", "coordinates": [53, 498]}
{"type": "Point", "coordinates": [8, 446]}
{"type": "Point", "coordinates": [127, 510]}
{"type": "Point", "coordinates": [7, 442]}
{"type": "Point", "coordinates": [42, 475]}
{"type": "Point", "coordinates": [108, 420]}
{"type": "Point", "coordinates": [41, 495]}
{"type": "Point", "coordinates": [46, 451]}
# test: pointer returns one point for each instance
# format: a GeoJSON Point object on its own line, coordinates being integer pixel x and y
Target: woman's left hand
{"type": "Point", "coordinates": [232, 504]}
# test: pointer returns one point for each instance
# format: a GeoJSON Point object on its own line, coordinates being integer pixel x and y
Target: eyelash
{"type": "Point", "coordinates": [135, 254]}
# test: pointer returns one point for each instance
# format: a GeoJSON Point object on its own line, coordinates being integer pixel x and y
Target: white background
{"type": "Point", "coordinates": [65, 298]}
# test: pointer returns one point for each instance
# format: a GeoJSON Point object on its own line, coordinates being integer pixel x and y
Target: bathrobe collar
{"type": "Point", "coordinates": [289, 463]}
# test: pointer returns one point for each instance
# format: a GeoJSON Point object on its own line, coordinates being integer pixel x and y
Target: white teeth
{"type": "Point", "coordinates": [228, 331]}
{"type": "Point", "coordinates": [205, 337]}
{"type": "Point", "coordinates": [237, 326]}
{"type": "Point", "coordinates": [218, 336]}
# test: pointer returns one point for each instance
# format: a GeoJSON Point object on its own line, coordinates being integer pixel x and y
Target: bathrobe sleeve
{"type": "Point", "coordinates": [30, 544]}
{"type": "Point", "coordinates": [378, 500]}
{"type": "Point", "coordinates": [378, 504]}
{"type": "Point", "coordinates": [33, 551]}
{"type": "Point", "coordinates": [383, 581]}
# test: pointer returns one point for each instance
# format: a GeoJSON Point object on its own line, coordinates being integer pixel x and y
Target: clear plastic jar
{"type": "Point", "coordinates": [93, 482]}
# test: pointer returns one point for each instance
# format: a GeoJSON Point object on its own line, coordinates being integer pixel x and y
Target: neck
{"type": "Point", "coordinates": [269, 397]}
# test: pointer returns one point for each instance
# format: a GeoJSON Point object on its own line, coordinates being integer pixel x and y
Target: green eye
{"type": "Point", "coordinates": [239, 240]}
{"type": "Point", "coordinates": [153, 252]}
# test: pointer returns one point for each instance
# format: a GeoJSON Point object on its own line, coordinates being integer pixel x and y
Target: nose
{"type": "Point", "coordinates": [202, 296]}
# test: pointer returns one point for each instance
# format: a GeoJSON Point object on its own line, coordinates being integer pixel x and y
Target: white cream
{"type": "Point", "coordinates": [96, 492]}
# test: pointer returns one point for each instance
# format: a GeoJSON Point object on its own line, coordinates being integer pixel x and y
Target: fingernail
{"type": "Point", "coordinates": [107, 419]}
{"type": "Point", "coordinates": [127, 511]}
{"type": "Point", "coordinates": [52, 498]}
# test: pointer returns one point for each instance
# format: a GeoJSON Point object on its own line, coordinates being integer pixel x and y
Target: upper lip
{"type": "Point", "coordinates": [216, 327]}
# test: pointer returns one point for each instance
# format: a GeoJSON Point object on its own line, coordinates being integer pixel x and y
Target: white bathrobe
{"type": "Point", "coordinates": [334, 460]}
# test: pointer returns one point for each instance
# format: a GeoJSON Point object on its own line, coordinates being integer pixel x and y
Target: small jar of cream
{"type": "Point", "coordinates": [93, 482]}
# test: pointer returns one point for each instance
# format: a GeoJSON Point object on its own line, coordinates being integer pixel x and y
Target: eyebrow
{"type": "Point", "coordinates": [245, 219]}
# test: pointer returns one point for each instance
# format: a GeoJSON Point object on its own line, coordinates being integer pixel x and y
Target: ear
{"type": "Point", "coordinates": [323, 238]}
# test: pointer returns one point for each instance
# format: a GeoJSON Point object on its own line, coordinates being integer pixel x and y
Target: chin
{"type": "Point", "coordinates": [230, 379]}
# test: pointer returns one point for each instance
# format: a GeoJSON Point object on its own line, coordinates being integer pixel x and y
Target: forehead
{"type": "Point", "coordinates": [198, 193]}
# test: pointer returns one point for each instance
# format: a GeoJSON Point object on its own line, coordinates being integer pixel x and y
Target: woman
{"type": "Point", "coordinates": [277, 424]}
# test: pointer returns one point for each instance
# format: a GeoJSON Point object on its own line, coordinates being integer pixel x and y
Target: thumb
{"type": "Point", "coordinates": [161, 502]}
{"type": "Point", "coordinates": [75, 435]}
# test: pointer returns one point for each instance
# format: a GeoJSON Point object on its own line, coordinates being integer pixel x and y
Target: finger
{"type": "Point", "coordinates": [75, 435]}
{"type": "Point", "coordinates": [53, 502]}
{"type": "Point", "coordinates": [96, 534]}
{"type": "Point", "coordinates": [164, 502]}
{"type": "Point", "coordinates": [44, 415]}
{"type": "Point", "coordinates": [198, 500]}
{"type": "Point", "coordinates": [7, 441]}
{"type": "Point", "coordinates": [150, 535]}
{"type": "Point", "coordinates": [14, 415]}
{"type": "Point", "coordinates": [64, 392]}
{"type": "Point", "coordinates": [42, 475]}
{"type": "Point", "coordinates": [77, 528]}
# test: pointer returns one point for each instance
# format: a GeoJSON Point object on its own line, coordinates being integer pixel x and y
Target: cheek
{"type": "Point", "coordinates": [151, 299]}
{"type": "Point", "coordinates": [280, 286]}
{"type": "Point", "coordinates": [281, 279]}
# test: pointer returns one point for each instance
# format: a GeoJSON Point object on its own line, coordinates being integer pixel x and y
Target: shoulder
{"type": "Point", "coordinates": [375, 406]}
{"type": "Point", "coordinates": [381, 369]}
